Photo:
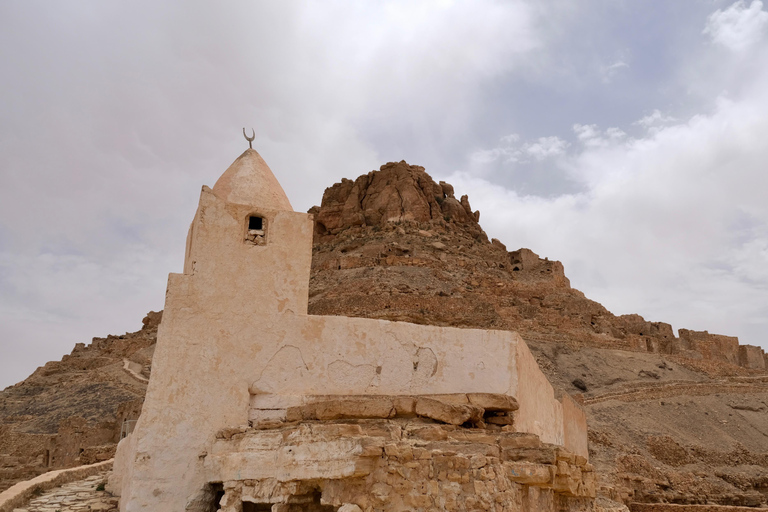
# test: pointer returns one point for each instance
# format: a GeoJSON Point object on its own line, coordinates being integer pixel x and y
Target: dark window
{"type": "Point", "coordinates": [255, 223]}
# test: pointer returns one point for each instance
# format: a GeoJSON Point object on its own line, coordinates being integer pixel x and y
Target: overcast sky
{"type": "Point", "coordinates": [627, 139]}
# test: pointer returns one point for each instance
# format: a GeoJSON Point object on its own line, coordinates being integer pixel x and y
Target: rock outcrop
{"type": "Point", "coordinates": [397, 192]}
{"type": "Point", "coordinates": [441, 269]}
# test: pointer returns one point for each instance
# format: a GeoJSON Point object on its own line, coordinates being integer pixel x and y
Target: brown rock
{"type": "Point", "coordinates": [493, 401]}
{"type": "Point", "coordinates": [404, 405]}
{"type": "Point", "coordinates": [543, 455]}
{"type": "Point", "coordinates": [530, 474]}
{"type": "Point", "coordinates": [501, 418]}
{"type": "Point", "coordinates": [519, 440]}
{"type": "Point", "coordinates": [397, 192]}
{"type": "Point", "coordinates": [349, 408]}
{"type": "Point", "coordinates": [443, 411]}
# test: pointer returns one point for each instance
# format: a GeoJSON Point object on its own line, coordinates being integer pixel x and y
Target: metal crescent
{"type": "Point", "coordinates": [249, 139]}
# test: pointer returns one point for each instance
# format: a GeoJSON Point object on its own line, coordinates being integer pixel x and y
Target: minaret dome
{"type": "Point", "coordinates": [250, 181]}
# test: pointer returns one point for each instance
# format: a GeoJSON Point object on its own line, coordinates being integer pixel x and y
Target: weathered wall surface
{"type": "Point", "coordinates": [574, 427]}
{"type": "Point", "coordinates": [540, 413]}
{"type": "Point", "coordinates": [340, 355]}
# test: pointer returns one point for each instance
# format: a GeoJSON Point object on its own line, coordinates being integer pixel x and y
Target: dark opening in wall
{"type": "Point", "coordinates": [213, 494]}
{"type": "Point", "coordinates": [256, 507]}
{"type": "Point", "coordinates": [255, 223]}
{"type": "Point", "coordinates": [257, 230]}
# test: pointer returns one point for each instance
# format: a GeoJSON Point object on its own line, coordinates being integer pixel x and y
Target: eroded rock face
{"type": "Point", "coordinates": [397, 192]}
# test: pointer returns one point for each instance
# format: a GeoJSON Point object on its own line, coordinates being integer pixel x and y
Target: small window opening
{"type": "Point", "coordinates": [257, 230]}
{"type": "Point", "coordinates": [256, 223]}
{"type": "Point", "coordinates": [213, 494]}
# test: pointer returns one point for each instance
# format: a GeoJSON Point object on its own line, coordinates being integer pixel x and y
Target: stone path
{"type": "Point", "coordinates": [79, 496]}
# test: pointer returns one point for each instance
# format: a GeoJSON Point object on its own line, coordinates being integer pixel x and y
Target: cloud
{"type": "Point", "coordinates": [510, 151]}
{"type": "Point", "coordinates": [114, 118]}
{"type": "Point", "coordinates": [592, 136]}
{"type": "Point", "coordinates": [608, 72]}
{"type": "Point", "coordinates": [546, 147]}
{"type": "Point", "coordinates": [654, 119]}
{"type": "Point", "coordinates": [673, 225]}
{"type": "Point", "coordinates": [738, 27]}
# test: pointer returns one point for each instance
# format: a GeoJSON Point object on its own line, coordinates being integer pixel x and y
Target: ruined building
{"type": "Point", "coordinates": [255, 405]}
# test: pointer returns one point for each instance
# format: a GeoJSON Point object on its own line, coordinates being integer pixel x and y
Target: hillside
{"type": "Point", "coordinates": [71, 412]}
{"type": "Point", "coordinates": [680, 419]}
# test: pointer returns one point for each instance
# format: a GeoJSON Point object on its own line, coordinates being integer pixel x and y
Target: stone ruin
{"type": "Point", "coordinates": [254, 405]}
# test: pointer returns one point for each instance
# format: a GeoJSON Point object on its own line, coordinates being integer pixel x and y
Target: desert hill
{"type": "Point", "coordinates": [71, 412]}
{"type": "Point", "coordinates": [679, 419]}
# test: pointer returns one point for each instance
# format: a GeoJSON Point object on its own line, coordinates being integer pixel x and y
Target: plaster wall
{"type": "Point", "coordinates": [574, 427]}
{"type": "Point", "coordinates": [540, 412]}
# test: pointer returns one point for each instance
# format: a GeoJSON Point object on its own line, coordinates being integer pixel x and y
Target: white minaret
{"type": "Point", "coordinates": [246, 270]}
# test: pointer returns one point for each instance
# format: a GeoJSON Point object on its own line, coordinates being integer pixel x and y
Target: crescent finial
{"type": "Point", "coordinates": [250, 139]}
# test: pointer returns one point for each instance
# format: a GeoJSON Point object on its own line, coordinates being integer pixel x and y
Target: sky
{"type": "Point", "coordinates": [627, 139]}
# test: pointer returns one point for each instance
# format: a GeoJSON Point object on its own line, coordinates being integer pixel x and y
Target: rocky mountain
{"type": "Point", "coordinates": [72, 412]}
{"type": "Point", "coordinates": [678, 419]}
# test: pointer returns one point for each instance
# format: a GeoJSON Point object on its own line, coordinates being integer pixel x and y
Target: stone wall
{"type": "Point", "coordinates": [395, 465]}
{"type": "Point", "coordinates": [752, 357]}
{"type": "Point", "coordinates": [710, 346]}
{"type": "Point", "coordinates": [20, 493]}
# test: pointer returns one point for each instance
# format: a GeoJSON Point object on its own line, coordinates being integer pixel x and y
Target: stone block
{"type": "Point", "coordinates": [444, 412]}
{"type": "Point", "coordinates": [519, 440]}
{"type": "Point", "coordinates": [493, 401]}
{"type": "Point", "coordinates": [266, 416]}
{"type": "Point", "coordinates": [300, 413]}
{"type": "Point", "coordinates": [428, 433]}
{"type": "Point", "coordinates": [543, 455]}
{"type": "Point", "coordinates": [404, 405]}
{"type": "Point", "coordinates": [530, 473]}
{"type": "Point", "coordinates": [565, 455]}
{"type": "Point", "coordinates": [351, 408]}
